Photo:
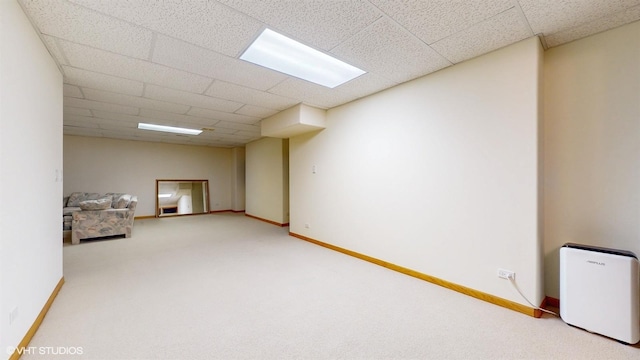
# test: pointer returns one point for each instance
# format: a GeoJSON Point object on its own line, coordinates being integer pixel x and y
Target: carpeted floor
{"type": "Point", "coordinates": [226, 286]}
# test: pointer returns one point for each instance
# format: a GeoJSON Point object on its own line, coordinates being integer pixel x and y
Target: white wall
{"type": "Point", "coordinates": [30, 159]}
{"type": "Point", "coordinates": [439, 175]}
{"type": "Point", "coordinates": [267, 179]}
{"type": "Point", "coordinates": [592, 145]}
{"type": "Point", "coordinates": [108, 165]}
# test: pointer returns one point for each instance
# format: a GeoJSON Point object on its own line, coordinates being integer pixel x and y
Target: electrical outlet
{"type": "Point", "coordinates": [506, 274]}
{"type": "Point", "coordinates": [306, 226]}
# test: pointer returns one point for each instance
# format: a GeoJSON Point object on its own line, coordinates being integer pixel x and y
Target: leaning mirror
{"type": "Point", "coordinates": [182, 197]}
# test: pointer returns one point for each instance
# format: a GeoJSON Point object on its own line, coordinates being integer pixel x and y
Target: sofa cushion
{"type": "Point", "coordinates": [115, 197]}
{"type": "Point", "coordinates": [99, 204]}
{"type": "Point", "coordinates": [122, 202]}
{"type": "Point", "coordinates": [77, 197]}
{"type": "Point", "coordinates": [94, 196]}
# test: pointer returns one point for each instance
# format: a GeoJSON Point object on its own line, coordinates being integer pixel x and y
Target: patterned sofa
{"type": "Point", "coordinates": [91, 215]}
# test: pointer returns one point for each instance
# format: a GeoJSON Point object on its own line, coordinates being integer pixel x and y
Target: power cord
{"type": "Point", "coordinates": [512, 280]}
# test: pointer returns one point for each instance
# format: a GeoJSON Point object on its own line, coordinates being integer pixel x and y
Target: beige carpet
{"type": "Point", "coordinates": [226, 286]}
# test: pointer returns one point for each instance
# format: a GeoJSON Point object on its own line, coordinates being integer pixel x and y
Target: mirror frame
{"type": "Point", "coordinates": [206, 188]}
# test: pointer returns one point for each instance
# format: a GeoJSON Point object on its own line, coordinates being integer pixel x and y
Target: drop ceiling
{"type": "Point", "coordinates": [177, 62]}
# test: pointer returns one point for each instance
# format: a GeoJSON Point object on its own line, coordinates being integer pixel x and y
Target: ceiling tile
{"type": "Point", "coordinates": [136, 101]}
{"type": "Point", "coordinates": [198, 124]}
{"type": "Point", "coordinates": [256, 111]}
{"type": "Point", "coordinates": [180, 55]}
{"type": "Point", "coordinates": [312, 94]}
{"type": "Point", "coordinates": [79, 24]}
{"type": "Point", "coordinates": [130, 119]}
{"type": "Point", "coordinates": [94, 80]}
{"type": "Point", "coordinates": [552, 16]}
{"type": "Point", "coordinates": [72, 91]}
{"type": "Point", "coordinates": [68, 110]}
{"type": "Point", "coordinates": [115, 125]}
{"type": "Point", "coordinates": [165, 116]}
{"type": "Point", "coordinates": [104, 62]}
{"type": "Point", "coordinates": [437, 19]}
{"type": "Point", "coordinates": [80, 121]}
{"type": "Point", "coordinates": [198, 141]}
{"type": "Point", "coordinates": [499, 31]}
{"type": "Point", "coordinates": [137, 134]}
{"type": "Point", "coordinates": [250, 96]}
{"type": "Point", "coordinates": [92, 122]}
{"type": "Point", "coordinates": [237, 126]}
{"type": "Point", "coordinates": [186, 140]}
{"type": "Point", "coordinates": [238, 138]}
{"type": "Point", "coordinates": [54, 50]}
{"type": "Point", "coordinates": [390, 51]}
{"type": "Point", "coordinates": [100, 115]}
{"type": "Point", "coordinates": [176, 62]}
{"type": "Point", "coordinates": [217, 131]}
{"type": "Point", "coordinates": [219, 115]}
{"type": "Point", "coordinates": [604, 23]}
{"type": "Point", "coordinates": [321, 24]}
{"type": "Point", "coordinates": [191, 99]}
{"type": "Point", "coordinates": [97, 105]}
{"type": "Point", "coordinates": [248, 134]}
{"type": "Point", "coordinates": [218, 144]}
{"type": "Point", "coordinates": [123, 134]}
{"type": "Point", "coordinates": [207, 135]}
{"type": "Point", "coordinates": [366, 84]}
{"type": "Point", "coordinates": [205, 23]}
{"type": "Point", "coordinates": [81, 131]}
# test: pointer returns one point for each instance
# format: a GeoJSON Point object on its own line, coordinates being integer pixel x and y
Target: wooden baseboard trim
{"type": "Point", "coordinates": [267, 221]}
{"type": "Point", "coordinates": [144, 217]}
{"type": "Point", "coordinates": [432, 279]}
{"type": "Point", "coordinates": [210, 212]}
{"type": "Point", "coordinates": [550, 301]}
{"type": "Point", "coordinates": [36, 324]}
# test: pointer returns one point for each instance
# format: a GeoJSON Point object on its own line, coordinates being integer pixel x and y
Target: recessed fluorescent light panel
{"type": "Point", "coordinates": [171, 129]}
{"type": "Point", "coordinates": [278, 52]}
{"type": "Point", "coordinates": [164, 195]}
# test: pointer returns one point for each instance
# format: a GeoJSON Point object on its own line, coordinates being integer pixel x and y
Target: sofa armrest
{"type": "Point", "coordinates": [101, 214]}
{"type": "Point", "coordinates": [133, 203]}
{"type": "Point", "coordinates": [98, 223]}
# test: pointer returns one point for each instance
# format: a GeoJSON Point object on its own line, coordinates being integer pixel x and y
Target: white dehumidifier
{"type": "Point", "coordinates": [600, 291]}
